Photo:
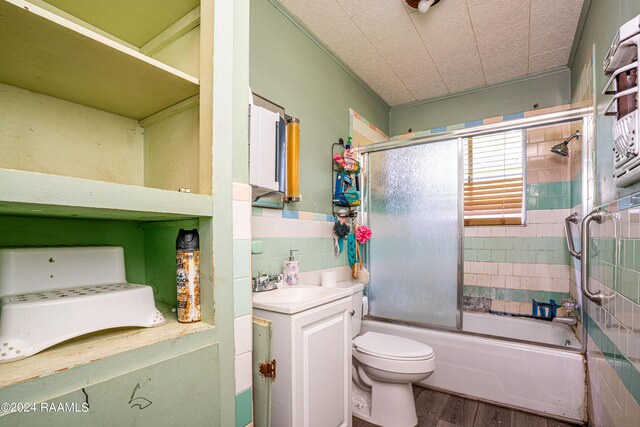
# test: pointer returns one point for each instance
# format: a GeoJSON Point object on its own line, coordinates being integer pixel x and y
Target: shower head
{"type": "Point", "coordinates": [562, 149]}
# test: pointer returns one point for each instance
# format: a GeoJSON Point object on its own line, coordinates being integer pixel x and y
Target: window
{"type": "Point", "coordinates": [493, 179]}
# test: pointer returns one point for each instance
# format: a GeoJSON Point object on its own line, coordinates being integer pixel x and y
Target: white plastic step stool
{"type": "Point", "coordinates": [49, 295]}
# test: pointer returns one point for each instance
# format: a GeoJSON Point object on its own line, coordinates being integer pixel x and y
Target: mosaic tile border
{"type": "Point", "coordinates": [353, 114]}
{"type": "Point", "coordinates": [473, 123]}
{"type": "Point", "coordinates": [624, 203]}
{"type": "Point", "coordinates": [289, 214]}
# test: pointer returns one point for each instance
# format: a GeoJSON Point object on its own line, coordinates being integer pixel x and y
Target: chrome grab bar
{"type": "Point", "coordinates": [596, 215]}
{"type": "Point", "coordinates": [573, 218]}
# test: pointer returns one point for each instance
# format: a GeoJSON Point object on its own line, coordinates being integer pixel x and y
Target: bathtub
{"type": "Point", "coordinates": [531, 377]}
{"type": "Point", "coordinates": [540, 331]}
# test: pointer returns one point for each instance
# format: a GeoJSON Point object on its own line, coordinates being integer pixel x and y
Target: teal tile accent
{"type": "Point", "coordinates": [321, 217]}
{"type": "Point", "coordinates": [241, 258]}
{"type": "Point", "coordinates": [513, 256]}
{"type": "Point", "coordinates": [456, 127]}
{"type": "Point", "coordinates": [624, 203]}
{"type": "Point", "coordinates": [534, 190]}
{"type": "Point", "coordinates": [299, 244]}
{"type": "Point", "coordinates": [257, 247]}
{"type": "Point", "coordinates": [490, 243]}
{"type": "Point", "coordinates": [628, 252]}
{"type": "Point", "coordinates": [625, 370]}
{"type": "Point", "coordinates": [470, 255]}
{"type": "Point", "coordinates": [483, 255]}
{"type": "Point", "coordinates": [545, 202]}
{"type": "Point", "coordinates": [241, 297]}
{"type": "Point", "coordinates": [244, 408]}
{"type": "Point", "coordinates": [549, 195]}
{"type": "Point", "coordinates": [554, 189]}
{"type": "Point", "coordinates": [630, 284]}
{"type": "Point", "coordinates": [314, 246]}
{"type": "Point", "coordinates": [498, 256]}
{"type": "Point", "coordinates": [534, 250]}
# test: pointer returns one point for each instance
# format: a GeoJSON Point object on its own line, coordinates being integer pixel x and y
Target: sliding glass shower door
{"type": "Point", "coordinates": [414, 211]}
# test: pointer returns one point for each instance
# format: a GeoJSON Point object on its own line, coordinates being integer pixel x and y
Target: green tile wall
{"type": "Point", "coordinates": [625, 370]}
{"type": "Point", "coordinates": [616, 264]}
{"type": "Point", "coordinates": [241, 297]}
{"type": "Point", "coordinates": [548, 195]}
{"type": "Point", "coordinates": [241, 258]}
{"type": "Point", "coordinates": [315, 253]}
{"type": "Point", "coordinates": [530, 250]}
{"type": "Point", "coordinates": [576, 190]}
{"type": "Point", "coordinates": [244, 408]}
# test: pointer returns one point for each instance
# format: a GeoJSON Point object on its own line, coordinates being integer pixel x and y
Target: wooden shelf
{"type": "Point", "coordinates": [45, 53]}
{"type": "Point", "coordinates": [91, 347]}
{"type": "Point", "coordinates": [37, 194]}
{"type": "Point", "coordinates": [135, 22]}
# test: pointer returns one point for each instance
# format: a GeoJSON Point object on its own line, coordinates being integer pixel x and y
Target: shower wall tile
{"type": "Point", "coordinates": [613, 347]}
{"type": "Point", "coordinates": [536, 253]}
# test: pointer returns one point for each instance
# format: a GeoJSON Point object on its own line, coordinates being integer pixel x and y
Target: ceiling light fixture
{"type": "Point", "coordinates": [422, 5]}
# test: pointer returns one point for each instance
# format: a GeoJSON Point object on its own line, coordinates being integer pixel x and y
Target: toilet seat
{"type": "Point", "coordinates": [391, 347]}
{"type": "Point", "coordinates": [393, 354]}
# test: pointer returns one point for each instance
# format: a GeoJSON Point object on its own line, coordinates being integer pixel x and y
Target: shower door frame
{"type": "Point", "coordinates": [460, 227]}
{"type": "Point", "coordinates": [524, 124]}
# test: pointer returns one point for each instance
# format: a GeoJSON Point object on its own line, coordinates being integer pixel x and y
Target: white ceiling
{"type": "Point", "coordinates": [405, 55]}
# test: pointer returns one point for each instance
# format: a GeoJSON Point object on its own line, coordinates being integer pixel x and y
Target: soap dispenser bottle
{"type": "Point", "coordinates": [290, 270]}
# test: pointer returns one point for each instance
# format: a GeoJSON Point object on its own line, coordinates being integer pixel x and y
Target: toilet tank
{"type": "Point", "coordinates": [356, 305]}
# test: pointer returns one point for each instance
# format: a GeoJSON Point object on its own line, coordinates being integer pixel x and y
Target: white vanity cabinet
{"type": "Point", "coordinates": [312, 350]}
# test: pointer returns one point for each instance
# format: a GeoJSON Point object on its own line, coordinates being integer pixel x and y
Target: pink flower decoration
{"type": "Point", "coordinates": [363, 233]}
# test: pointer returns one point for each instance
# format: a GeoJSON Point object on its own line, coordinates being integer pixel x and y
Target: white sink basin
{"type": "Point", "coordinates": [290, 300]}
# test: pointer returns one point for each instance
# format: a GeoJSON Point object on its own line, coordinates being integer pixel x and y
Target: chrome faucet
{"type": "Point", "coordinates": [570, 305]}
{"type": "Point", "coordinates": [264, 282]}
{"type": "Point", "coordinates": [571, 319]}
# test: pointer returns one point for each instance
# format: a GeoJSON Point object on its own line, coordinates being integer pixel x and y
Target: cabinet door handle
{"type": "Point", "coordinates": [352, 312]}
{"type": "Point", "coordinates": [571, 219]}
{"type": "Point", "coordinates": [596, 215]}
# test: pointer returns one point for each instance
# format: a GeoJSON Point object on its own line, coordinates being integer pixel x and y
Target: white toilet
{"type": "Point", "coordinates": [384, 366]}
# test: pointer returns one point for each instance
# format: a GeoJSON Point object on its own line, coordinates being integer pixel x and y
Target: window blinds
{"type": "Point", "coordinates": [493, 179]}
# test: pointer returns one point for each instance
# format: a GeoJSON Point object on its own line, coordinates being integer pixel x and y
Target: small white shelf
{"type": "Point", "coordinates": [99, 345]}
{"type": "Point", "coordinates": [37, 194]}
{"type": "Point", "coordinates": [48, 54]}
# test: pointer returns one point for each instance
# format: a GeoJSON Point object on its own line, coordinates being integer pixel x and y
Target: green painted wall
{"type": "Point", "coordinates": [602, 23]}
{"type": "Point", "coordinates": [149, 248]}
{"type": "Point", "coordinates": [546, 91]}
{"type": "Point", "coordinates": [288, 68]}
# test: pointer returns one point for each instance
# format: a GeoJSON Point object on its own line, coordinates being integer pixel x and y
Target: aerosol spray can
{"type": "Point", "coordinates": [188, 275]}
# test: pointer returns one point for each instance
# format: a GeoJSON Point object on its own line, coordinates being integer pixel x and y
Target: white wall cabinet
{"type": "Point", "coordinates": [312, 350]}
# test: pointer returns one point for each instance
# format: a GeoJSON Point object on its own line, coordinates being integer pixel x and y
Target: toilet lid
{"type": "Point", "coordinates": [392, 347]}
